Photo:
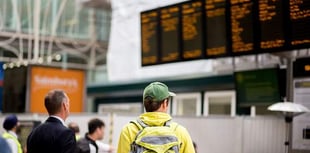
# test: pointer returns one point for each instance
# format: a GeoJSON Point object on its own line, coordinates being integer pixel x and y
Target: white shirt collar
{"type": "Point", "coordinates": [60, 119]}
{"type": "Point", "coordinates": [13, 133]}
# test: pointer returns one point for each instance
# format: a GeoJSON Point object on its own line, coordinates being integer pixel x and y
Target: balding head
{"type": "Point", "coordinates": [54, 101]}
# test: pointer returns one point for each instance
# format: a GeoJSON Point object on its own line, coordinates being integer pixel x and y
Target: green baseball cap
{"type": "Point", "coordinates": [158, 91]}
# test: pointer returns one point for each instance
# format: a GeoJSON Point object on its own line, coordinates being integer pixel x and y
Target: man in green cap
{"type": "Point", "coordinates": [156, 98]}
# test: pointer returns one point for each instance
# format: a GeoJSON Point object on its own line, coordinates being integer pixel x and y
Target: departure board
{"type": "Point", "coordinates": [300, 22]}
{"type": "Point", "coordinates": [242, 30]}
{"type": "Point", "coordinates": [202, 29]}
{"type": "Point", "coordinates": [257, 87]}
{"type": "Point", "coordinates": [149, 37]}
{"type": "Point", "coordinates": [192, 35]}
{"type": "Point", "coordinates": [271, 19]}
{"type": "Point", "coordinates": [170, 33]}
{"type": "Point", "coordinates": [216, 34]}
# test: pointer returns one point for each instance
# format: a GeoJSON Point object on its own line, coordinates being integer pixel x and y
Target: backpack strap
{"type": "Point", "coordinates": [168, 123]}
{"type": "Point", "coordinates": [139, 124]}
{"type": "Point", "coordinates": [142, 123]}
{"type": "Point", "coordinates": [172, 125]}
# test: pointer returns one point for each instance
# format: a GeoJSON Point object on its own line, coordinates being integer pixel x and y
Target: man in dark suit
{"type": "Point", "coordinates": [53, 136]}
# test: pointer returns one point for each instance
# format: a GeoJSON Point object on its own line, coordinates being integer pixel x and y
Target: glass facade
{"type": "Point", "coordinates": [38, 31]}
{"type": "Point", "coordinates": [60, 18]}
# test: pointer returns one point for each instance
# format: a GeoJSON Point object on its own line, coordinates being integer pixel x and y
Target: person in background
{"type": "Point", "coordinates": [156, 98]}
{"type": "Point", "coordinates": [11, 125]}
{"type": "Point", "coordinates": [88, 143]}
{"type": "Point", "coordinates": [4, 146]}
{"type": "Point", "coordinates": [76, 129]}
{"type": "Point", "coordinates": [53, 136]}
{"type": "Point", "coordinates": [104, 148]}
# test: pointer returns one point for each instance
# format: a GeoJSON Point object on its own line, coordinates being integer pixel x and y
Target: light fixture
{"type": "Point", "coordinates": [289, 111]}
{"type": "Point", "coordinates": [11, 65]}
{"type": "Point", "coordinates": [40, 60]}
{"type": "Point", "coordinates": [25, 63]}
{"type": "Point", "coordinates": [4, 66]}
{"type": "Point", "coordinates": [57, 57]}
{"type": "Point", "coordinates": [17, 64]}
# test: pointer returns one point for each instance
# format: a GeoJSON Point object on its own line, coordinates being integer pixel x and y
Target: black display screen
{"type": "Point", "coordinates": [14, 90]}
{"type": "Point", "coordinates": [257, 87]}
{"type": "Point", "coordinates": [216, 28]}
{"type": "Point", "coordinates": [272, 28]}
{"type": "Point", "coordinates": [192, 32]}
{"type": "Point", "coordinates": [170, 33]}
{"type": "Point", "coordinates": [149, 37]}
{"type": "Point", "coordinates": [300, 21]}
{"type": "Point", "coordinates": [301, 67]}
{"type": "Point", "coordinates": [242, 27]}
{"type": "Point", "coordinates": [220, 28]}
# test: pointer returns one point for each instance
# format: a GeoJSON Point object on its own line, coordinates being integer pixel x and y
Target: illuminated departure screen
{"type": "Point", "coordinates": [170, 33]}
{"type": "Point", "coordinates": [216, 34]}
{"type": "Point", "coordinates": [242, 30]}
{"type": "Point", "coordinates": [257, 87]}
{"type": "Point", "coordinates": [271, 18]}
{"type": "Point", "coordinates": [149, 37]}
{"type": "Point", "coordinates": [300, 22]}
{"type": "Point", "coordinates": [192, 34]}
{"type": "Point", "coordinates": [204, 29]}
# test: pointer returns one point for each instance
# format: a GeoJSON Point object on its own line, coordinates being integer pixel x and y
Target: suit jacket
{"type": "Point", "coordinates": [51, 137]}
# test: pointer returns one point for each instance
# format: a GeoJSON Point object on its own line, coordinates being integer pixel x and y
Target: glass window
{"type": "Point", "coordinates": [72, 19]}
{"type": "Point", "coordinates": [220, 103]}
{"type": "Point", "coordinates": [186, 104]}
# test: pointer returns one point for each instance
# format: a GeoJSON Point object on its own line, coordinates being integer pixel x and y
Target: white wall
{"type": "Point", "coordinates": [227, 134]}
{"type": "Point", "coordinates": [80, 119]}
{"type": "Point", "coordinates": [220, 134]}
{"type": "Point", "coordinates": [124, 52]}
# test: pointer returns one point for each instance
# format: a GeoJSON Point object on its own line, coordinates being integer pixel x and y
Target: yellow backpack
{"type": "Point", "coordinates": [155, 139]}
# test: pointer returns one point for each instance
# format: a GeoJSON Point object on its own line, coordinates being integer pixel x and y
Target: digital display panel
{"type": "Point", "coordinates": [257, 87]}
{"type": "Point", "coordinates": [14, 94]}
{"type": "Point", "coordinates": [300, 21]}
{"type": "Point", "coordinates": [170, 33]}
{"type": "Point", "coordinates": [301, 68]}
{"type": "Point", "coordinates": [149, 37]}
{"type": "Point", "coordinates": [242, 31]}
{"type": "Point", "coordinates": [217, 28]}
{"type": "Point", "coordinates": [192, 32]}
{"type": "Point", "coordinates": [216, 33]}
{"type": "Point", "coordinates": [271, 19]}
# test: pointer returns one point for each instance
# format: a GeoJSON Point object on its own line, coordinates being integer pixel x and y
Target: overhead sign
{"type": "Point", "coordinates": [301, 68]}
{"type": "Point", "coordinates": [43, 79]}
{"type": "Point", "coordinates": [220, 28]}
{"type": "Point", "coordinates": [257, 87]}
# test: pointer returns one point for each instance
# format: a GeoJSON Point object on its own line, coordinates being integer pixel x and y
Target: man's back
{"type": "Point", "coordinates": [51, 137]}
{"type": "Point", "coordinates": [130, 131]}
{"type": "Point", "coordinates": [156, 97]}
